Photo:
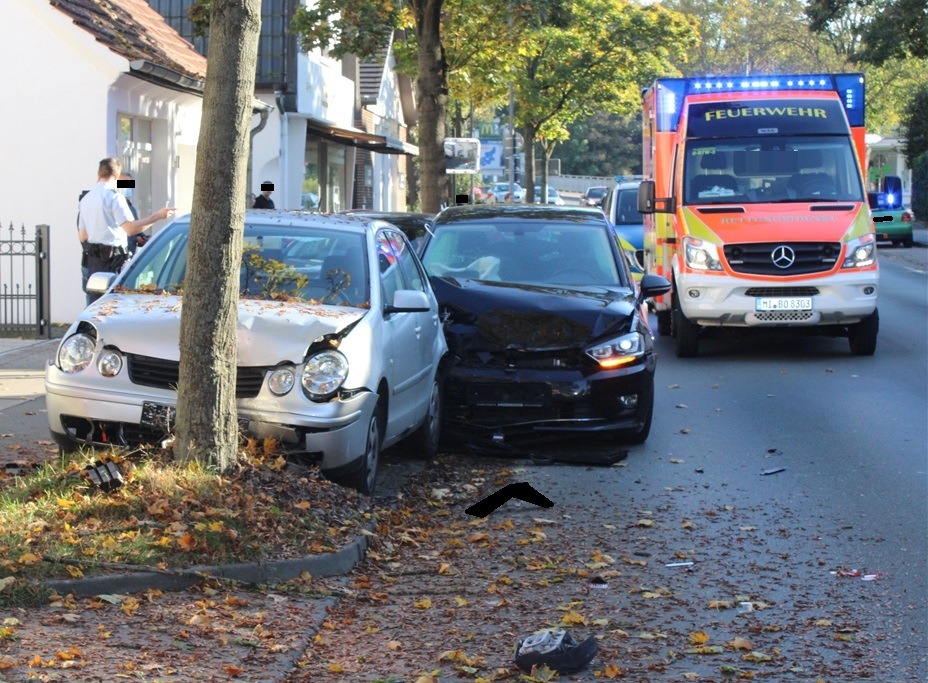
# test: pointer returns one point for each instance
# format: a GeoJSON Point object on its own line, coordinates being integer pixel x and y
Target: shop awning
{"type": "Point", "coordinates": [353, 137]}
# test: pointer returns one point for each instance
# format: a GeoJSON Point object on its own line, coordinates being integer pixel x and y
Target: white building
{"type": "Point", "coordinates": [85, 80]}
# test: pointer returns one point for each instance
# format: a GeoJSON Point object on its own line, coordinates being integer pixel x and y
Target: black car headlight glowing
{"type": "Point", "coordinates": [76, 352]}
{"type": "Point", "coordinates": [617, 352]}
{"type": "Point", "coordinates": [324, 374]}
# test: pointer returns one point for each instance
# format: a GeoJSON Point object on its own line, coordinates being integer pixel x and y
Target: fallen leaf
{"type": "Point", "coordinates": [705, 650]}
{"type": "Point", "coordinates": [741, 644]}
{"type": "Point", "coordinates": [756, 657]}
{"type": "Point", "coordinates": [699, 638]}
{"type": "Point", "coordinates": [424, 603]}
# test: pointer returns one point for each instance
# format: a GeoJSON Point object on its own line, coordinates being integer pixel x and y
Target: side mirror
{"type": "Point", "coordinates": [646, 196]}
{"type": "Point", "coordinates": [652, 286]}
{"type": "Point", "coordinates": [408, 301]}
{"type": "Point", "coordinates": [98, 283]}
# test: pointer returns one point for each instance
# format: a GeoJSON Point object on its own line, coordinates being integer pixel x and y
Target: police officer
{"type": "Point", "coordinates": [105, 222]}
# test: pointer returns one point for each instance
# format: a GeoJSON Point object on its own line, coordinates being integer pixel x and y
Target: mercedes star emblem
{"type": "Point", "coordinates": [783, 256]}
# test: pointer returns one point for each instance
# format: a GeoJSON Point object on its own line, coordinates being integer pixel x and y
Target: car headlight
{"type": "Point", "coordinates": [76, 352]}
{"type": "Point", "coordinates": [324, 373]}
{"type": "Point", "coordinates": [110, 363]}
{"type": "Point", "coordinates": [861, 252]}
{"type": "Point", "coordinates": [282, 380]}
{"type": "Point", "coordinates": [701, 255]}
{"type": "Point", "coordinates": [621, 351]}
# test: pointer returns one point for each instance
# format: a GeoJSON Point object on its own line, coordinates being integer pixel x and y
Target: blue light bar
{"type": "Point", "coordinates": [672, 91]}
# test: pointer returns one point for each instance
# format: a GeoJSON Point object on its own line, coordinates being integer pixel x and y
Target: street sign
{"type": "Point", "coordinates": [508, 140]}
{"type": "Point", "coordinates": [462, 156]}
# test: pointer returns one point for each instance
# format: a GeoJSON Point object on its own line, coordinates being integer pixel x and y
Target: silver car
{"type": "Point", "coordinates": [339, 344]}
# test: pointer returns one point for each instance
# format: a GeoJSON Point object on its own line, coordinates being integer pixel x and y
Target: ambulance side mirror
{"type": "Point", "coordinates": [648, 203]}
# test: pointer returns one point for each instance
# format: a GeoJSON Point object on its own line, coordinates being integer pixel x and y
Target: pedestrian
{"type": "Point", "coordinates": [105, 222]}
{"type": "Point", "coordinates": [263, 200]}
{"type": "Point", "coordinates": [126, 187]}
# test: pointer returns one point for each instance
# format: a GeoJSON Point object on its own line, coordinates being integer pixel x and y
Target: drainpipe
{"type": "Point", "coordinates": [264, 112]}
{"type": "Point", "coordinates": [284, 155]}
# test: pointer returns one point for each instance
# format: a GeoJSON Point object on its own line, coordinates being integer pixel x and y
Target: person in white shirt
{"type": "Point", "coordinates": [105, 222]}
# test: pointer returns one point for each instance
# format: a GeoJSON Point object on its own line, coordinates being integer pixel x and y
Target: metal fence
{"type": "Point", "coordinates": [25, 304]}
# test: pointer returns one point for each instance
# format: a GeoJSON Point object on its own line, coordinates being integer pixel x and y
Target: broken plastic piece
{"type": "Point", "coordinates": [775, 470]}
{"type": "Point", "coordinates": [745, 607]}
{"type": "Point", "coordinates": [105, 475]}
{"type": "Point", "coordinates": [679, 564]}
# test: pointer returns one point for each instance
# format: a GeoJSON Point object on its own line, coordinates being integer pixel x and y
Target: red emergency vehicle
{"type": "Point", "coordinates": [755, 206]}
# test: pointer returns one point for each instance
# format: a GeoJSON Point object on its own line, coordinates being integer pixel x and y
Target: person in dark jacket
{"type": "Point", "coordinates": [263, 200]}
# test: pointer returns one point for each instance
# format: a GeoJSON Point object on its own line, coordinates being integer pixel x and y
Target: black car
{"type": "Point", "coordinates": [414, 225]}
{"type": "Point", "coordinates": [546, 327]}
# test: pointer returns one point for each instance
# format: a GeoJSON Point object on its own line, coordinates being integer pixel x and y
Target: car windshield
{"type": "Point", "coordinates": [278, 262]}
{"type": "Point", "coordinates": [542, 252]}
{"type": "Point", "coordinates": [596, 192]}
{"type": "Point", "coordinates": [627, 209]}
{"type": "Point", "coordinates": [785, 169]}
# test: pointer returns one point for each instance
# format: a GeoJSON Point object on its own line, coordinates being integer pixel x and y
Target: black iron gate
{"type": "Point", "coordinates": [25, 305]}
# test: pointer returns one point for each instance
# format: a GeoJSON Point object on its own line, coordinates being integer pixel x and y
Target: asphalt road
{"type": "Point", "coordinates": [847, 438]}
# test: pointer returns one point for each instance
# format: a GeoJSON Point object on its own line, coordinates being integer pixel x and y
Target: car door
{"type": "Point", "coordinates": [408, 336]}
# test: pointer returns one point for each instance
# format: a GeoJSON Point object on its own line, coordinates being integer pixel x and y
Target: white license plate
{"type": "Point", "coordinates": [784, 303]}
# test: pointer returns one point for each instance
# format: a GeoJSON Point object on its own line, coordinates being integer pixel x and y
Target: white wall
{"type": "Point", "coordinates": [62, 90]}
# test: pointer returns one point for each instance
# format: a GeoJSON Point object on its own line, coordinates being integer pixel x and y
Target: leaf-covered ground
{"type": "Point", "coordinates": [443, 597]}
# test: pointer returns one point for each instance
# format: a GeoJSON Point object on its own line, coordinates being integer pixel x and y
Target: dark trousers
{"type": "Point", "coordinates": [102, 258]}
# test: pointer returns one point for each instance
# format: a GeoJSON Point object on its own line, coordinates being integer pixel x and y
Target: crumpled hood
{"type": "Point", "coordinates": [494, 316]}
{"type": "Point", "coordinates": [268, 331]}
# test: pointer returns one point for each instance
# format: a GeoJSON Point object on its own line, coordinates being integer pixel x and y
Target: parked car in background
{"type": "Point", "coordinates": [621, 208]}
{"type": "Point", "coordinates": [593, 196]}
{"type": "Point", "coordinates": [498, 192]}
{"type": "Point", "coordinates": [554, 197]}
{"type": "Point", "coordinates": [546, 332]}
{"type": "Point", "coordinates": [891, 221]}
{"type": "Point", "coordinates": [414, 225]}
{"type": "Point", "coordinates": [339, 345]}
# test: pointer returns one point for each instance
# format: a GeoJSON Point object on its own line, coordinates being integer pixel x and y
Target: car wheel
{"type": "Point", "coordinates": [364, 478]}
{"type": "Point", "coordinates": [426, 438]}
{"type": "Point", "coordinates": [862, 336]}
{"type": "Point", "coordinates": [906, 242]}
{"type": "Point", "coordinates": [685, 332]}
{"type": "Point", "coordinates": [640, 435]}
{"type": "Point", "coordinates": [663, 323]}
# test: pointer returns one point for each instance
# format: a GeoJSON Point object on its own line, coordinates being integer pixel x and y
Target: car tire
{"type": "Point", "coordinates": [685, 332]}
{"type": "Point", "coordinates": [364, 478]}
{"type": "Point", "coordinates": [426, 438]}
{"type": "Point", "coordinates": [862, 336]}
{"type": "Point", "coordinates": [663, 323]}
{"type": "Point", "coordinates": [906, 242]}
{"type": "Point", "coordinates": [640, 435]}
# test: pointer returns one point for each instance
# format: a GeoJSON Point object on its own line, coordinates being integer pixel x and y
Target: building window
{"type": "Point", "coordinates": [134, 151]}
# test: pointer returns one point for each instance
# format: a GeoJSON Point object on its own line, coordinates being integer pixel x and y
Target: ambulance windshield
{"type": "Point", "coordinates": [754, 170]}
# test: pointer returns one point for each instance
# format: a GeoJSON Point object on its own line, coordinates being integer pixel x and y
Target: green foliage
{"type": "Point", "coordinates": [596, 63]}
{"type": "Point", "coordinates": [920, 186]}
{"type": "Point", "coordinates": [914, 127]}
{"type": "Point", "coordinates": [360, 28]}
{"type": "Point", "coordinates": [602, 145]}
{"type": "Point", "coordinates": [198, 13]}
{"type": "Point", "coordinates": [874, 31]}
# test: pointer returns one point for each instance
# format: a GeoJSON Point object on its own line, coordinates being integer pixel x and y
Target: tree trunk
{"type": "Point", "coordinates": [207, 425]}
{"type": "Point", "coordinates": [432, 91]}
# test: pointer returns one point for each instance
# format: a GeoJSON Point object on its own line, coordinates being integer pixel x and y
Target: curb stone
{"type": "Point", "coordinates": [276, 571]}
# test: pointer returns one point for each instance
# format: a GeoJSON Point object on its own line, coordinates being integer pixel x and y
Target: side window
{"type": "Point", "coordinates": [391, 276]}
{"type": "Point", "coordinates": [413, 278]}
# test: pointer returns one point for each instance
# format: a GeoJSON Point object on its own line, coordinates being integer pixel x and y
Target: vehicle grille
{"type": "Point", "coordinates": [163, 374]}
{"type": "Point", "coordinates": [756, 259]}
{"type": "Point", "coordinates": [783, 316]}
{"type": "Point", "coordinates": [782, 291]}
{"type": "Point", "coordinates": [560, 359]}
